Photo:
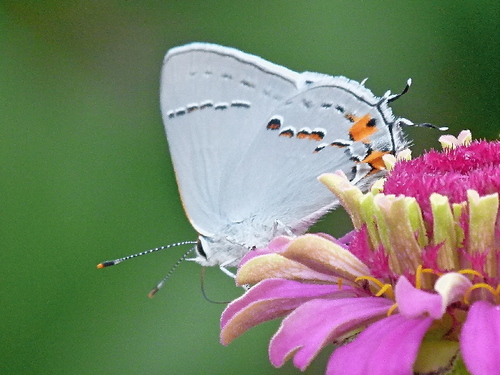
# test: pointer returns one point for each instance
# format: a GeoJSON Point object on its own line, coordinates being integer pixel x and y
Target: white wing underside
{"type": "Point", "coordinates": [231, 169]}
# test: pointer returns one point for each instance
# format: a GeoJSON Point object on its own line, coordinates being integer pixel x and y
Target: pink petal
{"type": "Point", "coordinates": [389, 346]}
{"type": "Point", "coordinates": [317, 323]}
{"type": "Point", "coordinates": [325, 256]}
{"type": "Point", "coordinates": [347, 239]}
{"type": "Point", "coordinates": [480, 339]}
{"type": "Point", "coordinates": [452, 286]}
{"type": "Point", "coordinates": [275, 266]}
{"type": "Point", "coordinates": [341, 241]}
{"type": "Point", "coordinates": [270, 299]}
{"type": "Point", "coordinates": [413, 302]}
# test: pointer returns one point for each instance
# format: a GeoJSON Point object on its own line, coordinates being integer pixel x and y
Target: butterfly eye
{"type": "Point", "coordinates": [199, 249]}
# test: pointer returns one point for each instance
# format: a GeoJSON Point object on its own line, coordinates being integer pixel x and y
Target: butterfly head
{"type": "Point", "coordinates": [219, 251]}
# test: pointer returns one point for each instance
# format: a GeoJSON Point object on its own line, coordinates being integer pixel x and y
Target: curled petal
{"type": "Point", "coordinates": [465, 137]}
{"type": "Point", "coordinates": [317, 323]}
{"type": "Point", "coordinates": [270, 299]}
{"type": "Point", "coordinates": [276, 266]}
{"type": "Point", "coordinates": [480, 339]}
{"type": "Point", "coordinates": [326, 257]}
{"type": "Point", "coordinates": [389, 161]}
{"type": "Point", "coordinates": [452, 286]}
{"type": "Point", "coordinates": [450, 141]}
{"type": "Point", "coordinates": [389, 346]}
{"type": "Point", "coordinates": [347, 193]}
{"type": "Point", "coordinates": [413, 302]}
{"type": "Point", "coordinates": [483, 228]}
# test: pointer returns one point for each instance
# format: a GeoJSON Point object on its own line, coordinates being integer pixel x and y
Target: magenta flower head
{"type": "Point", "coordinates": [413, 289]}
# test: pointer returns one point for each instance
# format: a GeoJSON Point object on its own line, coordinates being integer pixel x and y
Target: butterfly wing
{"type": "Point", "coordinates": [329, 124]}
{"type": "Point", "coordinates": [248, 139]}
{"type": "Point", "coordinates": [213, 101]}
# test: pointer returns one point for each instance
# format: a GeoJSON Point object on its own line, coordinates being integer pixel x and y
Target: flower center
{"type": "Point", "coordinates": [386, 288]}
{"type": "Point", "coordinates": [477, 291]}
{"type": "Point", "coordinates": [494, 292]}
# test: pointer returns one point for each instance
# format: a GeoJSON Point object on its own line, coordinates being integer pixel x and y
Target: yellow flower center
{"type": "Point", "coordinates": [383, 288]}
{"type": "Point", "coordinates": [387, 290]}
{"type": "Point", "coordinates": [495, 292]}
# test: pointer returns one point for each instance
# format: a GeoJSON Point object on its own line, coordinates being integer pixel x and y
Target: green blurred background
{"type": "Point", "coordinates": [85, 174]}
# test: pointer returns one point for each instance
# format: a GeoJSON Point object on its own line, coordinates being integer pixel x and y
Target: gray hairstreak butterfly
{"type": "Point", "coordinates": [249, 138]}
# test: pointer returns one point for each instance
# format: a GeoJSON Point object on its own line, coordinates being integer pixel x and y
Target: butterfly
{"type": "Point", "coordinates": [248, 139]}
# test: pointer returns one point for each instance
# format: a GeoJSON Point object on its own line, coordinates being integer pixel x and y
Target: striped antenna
{"type": "Point", "coordinates": [153, 291]}
{"type": "Point", "coordinates": [406, 122]}
{"type": "Point", "coordinates": [110, 263]}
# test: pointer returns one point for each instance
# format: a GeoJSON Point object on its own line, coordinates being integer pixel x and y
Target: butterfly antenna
{"type": "Point", "coordinates": [406, 122]}
{"type": "Point", "coordinates": [110, 263]}
{"type": "Point", "coordinates": [393, 97]}
{"type": "Point", "coordinates": [204, 293]}
{"type": "Point", "coordinates": [153, 291]}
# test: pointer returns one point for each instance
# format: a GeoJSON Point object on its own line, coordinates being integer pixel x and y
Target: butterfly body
{"type": "Point", "coordinates": [248, 139]}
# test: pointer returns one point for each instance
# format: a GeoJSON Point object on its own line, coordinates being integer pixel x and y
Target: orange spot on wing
{"type": "Point", "coordinates": [273, 126]}
{"type": "Point", "coordinates": [362, 129]}
{"type": "Point", "coordinates": [374, 158]}
{"type": "Point", "coordinates": [303, 135]}
{"type": "Point", "coordinates": [316, 136]}
{"type": "Point", "coordinates": [286, 133]}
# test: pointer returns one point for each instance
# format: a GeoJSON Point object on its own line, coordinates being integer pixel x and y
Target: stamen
{"type": "Point", "coordinates": [384, 288]}
{"type": "Point", "coordinates": [369, 278]}
{"type": "Point", "coordinates": [418, 279]}
{"type": "Point", "coordinates": [391, 309]}
{"type": "Point", "coordinates": [418, 275]}
{"type": "Point", "coordinates": [387, 288]}
{"type": "Point", "coordinates": [481, 286]}
{"type": "Point", "coordinates": [469, 271]}
{"type": "Point", "coordinates": [339, 283]}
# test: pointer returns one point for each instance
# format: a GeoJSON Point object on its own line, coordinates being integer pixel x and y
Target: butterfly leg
{"type": "Point", "coordinates": [280, 228]}
{"type": "Point", "coordinates": [231, 274]}
{"type": "Point", "coordinates": [223, 268]}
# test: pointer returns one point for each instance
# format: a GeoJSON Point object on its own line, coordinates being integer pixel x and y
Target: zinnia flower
{"type": "Point", "coordinates": [414, 288]}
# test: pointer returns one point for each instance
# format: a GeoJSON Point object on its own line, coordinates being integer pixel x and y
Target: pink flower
{"type": "Point", "coordinates": [413, 289]}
